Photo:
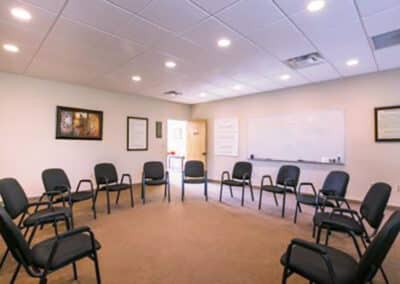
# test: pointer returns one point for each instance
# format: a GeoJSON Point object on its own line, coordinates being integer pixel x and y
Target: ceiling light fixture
{"type": "Point", "coordinates": [352, 62]}
{"type": "Point", "coordinates": [10, 48]}
{"type": "Point", "coordinates": [284, 77]}
{"type": "Point", "coordinates": [315, 6]}
{"type": "Point", "coordinates": [136, 78]}
{"type": "Point", "coordinates": [170, 64]}
{"type": "Point", "coordinates": [237, 87]}
{"type": "Point", "coordinates": [203, 95]}
{"type": "Point", "coordinates": [224, 42]}
{"type": "Point", "coordinates": [21, 14]}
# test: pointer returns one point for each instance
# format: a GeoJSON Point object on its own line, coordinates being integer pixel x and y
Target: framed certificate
{"type": "Point", "coordinates": [137, 134]}
{"type": "Point", "coordinates": [387, 124]}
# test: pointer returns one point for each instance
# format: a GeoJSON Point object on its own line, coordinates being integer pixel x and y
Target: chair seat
{"type": "Point", "coordinates": [195, 180]}
{"type": "Point", "coordinates": [311, 265]}
{"type": "Point", "coordinates": [342, 221]}
{"type": "Point", "coordinates": [276, 189]}
{"type": "Point", "coordinates": [45, 216]}
{"type": "Point", "coordinates": [155, 181]}
{"type": "Point", "coordinates": [78, 196]}
{"type": "Point", "coordinates": [116, 187]}
{"type": "Point", "coordinates": [233, 182]}
{"type": "Point", "coordinates": [310, 199]}
{"type": "Point", "coordinates": [69, 249]}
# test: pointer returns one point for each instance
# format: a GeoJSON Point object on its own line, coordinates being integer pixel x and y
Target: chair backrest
{"type": "Point", "coordinates": [55, 180]}
{"type": "Point", "coordinates": [289, 174]}
{"type": "Point", "coordinates": [241, 169]}
{"type": "Point", "coordinates": [378, 249]}
{"type": "Point", "coordinates": [336, 183]}
{"type": "Point", "coordinates": [194, 169]}
{"type": "Point", "coordinates": [374, 204]}
{"type": "Point", "coordinates": [14, 198]}
{"type": "Point", "coordinates": [14, 239]}
{"type": "Point", "coordinates": [105, 171]}
{"type": "Point", "coordinates": [153, 170]}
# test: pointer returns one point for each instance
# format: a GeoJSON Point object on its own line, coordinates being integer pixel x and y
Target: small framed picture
{"type": "Point", "coordinates": [158, 129]}
{"type": "Point", "coordinates": [387, 124]}
{"type": "Point", "coordinates": [137, 134]}
{"type": "Point", "coordinates": [79, 124]}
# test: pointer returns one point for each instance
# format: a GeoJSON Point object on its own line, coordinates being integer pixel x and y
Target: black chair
{"type": "Point", "coordinates": [351, 222]}
{"type": "Point", "coordinates": [326, 265]}
{"type": "Point", "coordinates": [30, 214]}
{"type": "Point", "coordinates": [52, 254]}
{"type": "Point", "coordinates": [286, 182]}
{"type": "Point", "coordinates": [154, 175]}
{"type": "Point", "coordinates": [57, 185]}
{"type": "Point", "coordinates": [335, 184]}
{"type": "Point", "coordinates": [194, 173]}
{"type": "Point", "coordinates": [107, 180]}
{"type": "Point", "coordinates": [241, 176]}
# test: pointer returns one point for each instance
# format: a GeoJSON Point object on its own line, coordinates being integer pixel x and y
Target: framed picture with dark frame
{"type": "Point", "coordinates": [79, 124]}
{"type": "Point", "coordinates": [387, 124]}
{"type": "Point", "coordinates": [137, 137]}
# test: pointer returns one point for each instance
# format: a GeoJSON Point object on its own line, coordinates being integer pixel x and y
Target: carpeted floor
{"type": "Point", "coordinates": [192, 242]}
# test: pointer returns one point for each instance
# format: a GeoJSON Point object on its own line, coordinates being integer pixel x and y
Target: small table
{"type": "Point", "coordinates": [170, 157]}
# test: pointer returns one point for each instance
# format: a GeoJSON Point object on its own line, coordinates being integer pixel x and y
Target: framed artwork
{"type": "Point", "coordinates": [137, 134]}
{"type": "Point", "coordinates": [79, 124]}
{"type": "Point", "coordinates": [158, 129]}
{"type": "Point", "coordinates": [387, 124]}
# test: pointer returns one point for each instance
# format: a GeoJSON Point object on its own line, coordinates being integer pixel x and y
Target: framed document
{"type": "Point", "coordinates": [137, 134]}
{"type": "Point", "coordinates": [387, 124]}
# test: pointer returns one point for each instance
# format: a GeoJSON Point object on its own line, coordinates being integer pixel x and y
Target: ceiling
{"type": "Point", "coordinates": [103, 43]}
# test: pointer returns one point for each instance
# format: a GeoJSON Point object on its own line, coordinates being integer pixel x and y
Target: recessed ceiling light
{"type": "Point", "coordinates": [315, 5]}
{"type": "Point", "coordinates": [10, 48]}
{"type": "Point", "coordinates": [352, 62]}
{"type": "Point", "coordinates": [203, 95]}
{"type": "Point", "coordinates": [224, 42]}
{"type": "Point", "coordinates": [284, 77]}
{"type": "Point", "coordinates": [237, 87]}
{"type": "Point", "coordinates": [170, 64]}
{"type": "Point", "coordinates": [136, 78]}
{"type": "Point", "coordinates": [21, 14]}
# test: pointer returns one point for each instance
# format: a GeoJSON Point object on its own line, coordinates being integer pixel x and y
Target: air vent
{"type": "Point", "coordinates": [386, 40]}
{"type": "Point", "coordinates": [305, 61]}
{"type": "Point", "coordinates": [172, 93]}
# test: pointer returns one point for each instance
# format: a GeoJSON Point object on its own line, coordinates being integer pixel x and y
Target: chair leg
{"type": "Point", "coordinates": [183, 192]}
{"type": "Point", "coordinates": [283, 205]}
{"type": "Point", "coordinates": [143, 193]}
{"type": "Point", "coordinates": [94, 207]}
{"type": "Point", "coordinates": [328, 233]}
{"type": "Point", "coordinates": [96, 266]}
{"type": "Point", "coordinates": [206, 190]}
{"type": "Point", "coordinates": [165, 191]}
{"type": "Point", "coordinates": [75, 271]}
{"type": "Point", "coordinates": [131, 194]}
{"type": "Point", "coordinates": [220, 193]}
{"type": "Point", "coordinates": [319, 234]}
{"type": "Point", "coordinates": [14, 276]}
{"type": "Point", "coordinates": [118, 194]}
{"type": "Point", "coordinates": [295, 212]}
{"type": "Point", "coordinates": [43, 280]}
{"type": "Point", "coordinates": [169, 192]}
{"type": "Point", "coordinates": [251, 191]}
{"type": "Point", "coordinates": [284, 276]}
{"type": "Point", "coordinates": [259, 202]}
{"type": "Point", "coordinates": [3, 259]}
{"type": "Point", "coordinates": [243, 187]}
{"type": "Point", "coordinates": [108, 202]}
{"type": "Point", "coordinates": [230, 189]}
{"type": "Point", "coordinates": [313, 231]}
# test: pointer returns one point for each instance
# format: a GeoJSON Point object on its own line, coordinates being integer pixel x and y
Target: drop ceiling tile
{"type": "Point", "coordinates": [250, 16]}
{"type": "Point", "coordinates": [213, 6]}
{"type": "Point", "coordinates": [370, 7]}
{"type": "Point", "coordinates": [16, 62]}
{"type": "Point", "coordinates": [383, 22]}
{"type": "Point", "coordinates": [283, 40]}
{"type": "Point", "coordinates": [255, 81]}
{"type": "Point", "coordinates": [321, 72]}
{"type": "Point", "coordinates": [295, 79]}
{"type": "Point", "coordinates": [50, 5]}
{"type": "Point", "coordinates": [388, 58]}
{"type": "Point", "coordinates": [132, 6]}
{"type": "Point", "coordinates": [164, 13]}
{"type": "Point", "coordinates": [99, 14]}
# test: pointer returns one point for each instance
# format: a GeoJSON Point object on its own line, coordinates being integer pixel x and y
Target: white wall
{"type": "Point", "coordinates": [366, 161]}
{"type": "Point", "coordinates": [27, 130]}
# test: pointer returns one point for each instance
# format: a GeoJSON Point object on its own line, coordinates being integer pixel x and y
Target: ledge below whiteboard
{"type": "Point", "coordinates": [295, 161]}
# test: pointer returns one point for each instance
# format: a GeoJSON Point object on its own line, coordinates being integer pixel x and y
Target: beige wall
{"type": "Point", "coordinates": [366, 161]}
{"type": "Point", "coordinates": [27, 130]}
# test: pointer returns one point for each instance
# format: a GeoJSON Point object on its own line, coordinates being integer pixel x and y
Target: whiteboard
{"type": "Point", "coordinates": [312, 136]}
{"type": "Point", "coordinates": [226, 137]}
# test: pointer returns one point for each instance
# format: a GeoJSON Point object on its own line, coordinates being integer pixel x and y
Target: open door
{"type": "Point", "coordinates": [196, 142]}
